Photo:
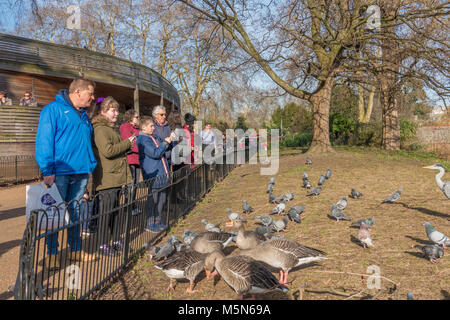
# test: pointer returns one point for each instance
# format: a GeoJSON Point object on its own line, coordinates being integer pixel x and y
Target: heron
{"type": "Point", "coordinates": [444, 186]}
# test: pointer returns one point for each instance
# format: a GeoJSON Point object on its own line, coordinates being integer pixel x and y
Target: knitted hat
{"type": "Point", "coordinates": [189, 119]}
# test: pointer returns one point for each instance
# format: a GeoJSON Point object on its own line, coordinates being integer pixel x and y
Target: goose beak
{"type": "Point", "coordinates": [229, 224]}
{"type": "Point", "coordinates": [208, 273]}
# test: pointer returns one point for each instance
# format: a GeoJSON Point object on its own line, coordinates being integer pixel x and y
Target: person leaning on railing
{"type": "Point", "coordinates": [154, 165]}
{"type": "Point", "coordinates": [28, 100]}
{"type": "Point", "coordinates": [111, 173]}
{"type": "Point", "coordinates": [4, 100]}
{"type": "Point", "coordinates": [65, 156]}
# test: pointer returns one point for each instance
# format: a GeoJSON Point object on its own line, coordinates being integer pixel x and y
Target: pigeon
{"type": "Point", "coordinates": [409, 296]}
{"type": "Point", "coordinates": [341, 204]}
{"type": "Point", "coordinates": [269, 188]}
{"type": "Point", "coordinates": [271, 197]}
{"type": "Point", "coordinates": [246, 208]}
{"type": "Point", "coordinates": [280, 225]}
{"type": "Point", "coordinates": [288, 196]}
{"type": "Point", "coordinates": [305, 176]}
{"type": "Point", "coordinates": [435, 236]}
{"type": "Point", "coordinates": [264, 231]}
{"type": "Point", "coordinates": [211, 227]}
{"type": "Point", "coordinates": [314, 192]}
{"type": "Point", "coordinates": [328, 174]}
{"type": "Point", "coordinates": [294, 213]}
{"type": "Point", "coordinates": [265, 220]}
{"type": "Point", "coordinates": [167, 249]}
{"type": "Point", "coordinates": [279, 208]}
{"type": "Point", "coordinates": [152, 251]}
{"type": "Point", "coordinates": [232, 216]}
{"type": "Point", "coordinates": [272, 180]}
{"type": "Point", "coordinates": [338, 214]}
{"type": "Point", "coordinates": [394, 197]}
{"type": "Point", "coordinates": [308, 161]}
{"type": "Point", "coordinates": [307, 184]}
{"type": "Point", "coordinates": [369, 222]}
{"type": "Point", "coordinates": [278, 199]}
{"type": "Point", "coordinates": [355, 194]}
{"type": "Point", "coordinates": [364, 236]}
{"type": "Point", "coordinates": [188, 236]}
{"type": "Point", "coordinates": [321, 180]}
{"type": "Point", "coordinates": [432, 252]}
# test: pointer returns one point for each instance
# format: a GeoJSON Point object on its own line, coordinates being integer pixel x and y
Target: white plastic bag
{"type": "Point", "coordinates": [39, 196]}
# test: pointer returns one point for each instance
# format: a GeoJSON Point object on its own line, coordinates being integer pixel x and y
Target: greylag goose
{"type": "Point", "coordinates": [243, 274]}
{"type": "Point", "coordinates": [183, 265]}
{"type": "Point", "coordinates": [208, 242]}
{"type": "Point", "coordinates": [284, 254]}
{"type": "Point", "coordinates": [247, 239]}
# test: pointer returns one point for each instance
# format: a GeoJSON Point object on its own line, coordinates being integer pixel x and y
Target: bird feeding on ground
{"type": "Point", "coordinates": [393, 197]}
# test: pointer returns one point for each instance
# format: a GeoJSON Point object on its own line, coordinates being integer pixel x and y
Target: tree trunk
{"type": "Point", "coordinates": [390, 123]}
{"type": "Point", "coordinates": [321, 116]}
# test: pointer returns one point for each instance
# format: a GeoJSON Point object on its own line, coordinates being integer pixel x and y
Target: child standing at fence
{"type": "Point", "coordinates": [154, 166]}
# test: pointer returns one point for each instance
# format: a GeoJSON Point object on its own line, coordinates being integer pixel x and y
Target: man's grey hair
{"type": "Point", "coordinates": [157, 108]}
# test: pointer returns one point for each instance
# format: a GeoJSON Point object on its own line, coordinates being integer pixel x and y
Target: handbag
{"type": "Point", "coordinates": [52, 210]}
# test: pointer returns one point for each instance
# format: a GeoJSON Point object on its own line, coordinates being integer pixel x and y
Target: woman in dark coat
{"type": "Point", "coordinates": [111, 173]}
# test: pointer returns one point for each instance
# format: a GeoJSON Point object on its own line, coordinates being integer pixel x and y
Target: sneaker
{"type": "Point", "coordinates": [107, 250]}
{"type": "Point", "coordinates": [117, 245]}
{"type": "Point", "coordinates": [136, 211]}
{"type": "Point", "coordinates": [85, 233]}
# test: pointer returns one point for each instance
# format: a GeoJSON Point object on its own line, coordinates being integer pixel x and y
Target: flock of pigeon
{"type": "Point", "coordinates": [263, 247]}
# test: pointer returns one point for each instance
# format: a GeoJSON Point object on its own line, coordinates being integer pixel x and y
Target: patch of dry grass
{"type": "Point", "coordinates": [398, 227]}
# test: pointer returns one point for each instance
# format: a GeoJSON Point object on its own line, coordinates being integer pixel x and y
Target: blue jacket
{"type": "Point", "coordinates": [63, 139]}
{"type": "Point", "coordinates": [150, 159]}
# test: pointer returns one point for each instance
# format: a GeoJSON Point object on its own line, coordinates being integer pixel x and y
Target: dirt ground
{"type": "Point", "coordinates": [12, 226]}
{"type": "Point", "coordinates": [346, 273]}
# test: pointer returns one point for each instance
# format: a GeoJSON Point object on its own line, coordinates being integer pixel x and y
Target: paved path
{"type": "Point", "coordinates": [12, 226]}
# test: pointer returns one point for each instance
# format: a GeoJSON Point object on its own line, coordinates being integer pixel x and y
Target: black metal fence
{"type": "Point", "coordinates": [14, 169]}
{"type": "Point", "coordinates": [117, 221]}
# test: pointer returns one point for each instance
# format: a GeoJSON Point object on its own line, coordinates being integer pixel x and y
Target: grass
{"type": "Point", "coordinates": [397, 228]}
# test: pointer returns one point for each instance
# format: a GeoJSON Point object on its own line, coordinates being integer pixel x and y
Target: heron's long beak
{"type": "Point", "coordinates": [427, 167]}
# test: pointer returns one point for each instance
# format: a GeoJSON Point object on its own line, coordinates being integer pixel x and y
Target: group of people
{"type": "Point", "coordinates": [26, 100]}
{"type": "Point", "coordinates": [77, 137]}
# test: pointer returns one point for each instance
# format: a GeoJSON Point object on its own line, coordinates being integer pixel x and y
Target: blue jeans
{"type": "Point", "coordinates": [70, 187]}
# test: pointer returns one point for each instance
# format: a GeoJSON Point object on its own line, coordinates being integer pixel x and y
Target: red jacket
{"type": "Point", "coordinates": [190, 135]}
{"type": "Point", "coordinates": [126, 131]}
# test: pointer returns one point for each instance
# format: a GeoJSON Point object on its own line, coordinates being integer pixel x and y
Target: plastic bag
{"type": "Point", "coordinates": [53, 213]}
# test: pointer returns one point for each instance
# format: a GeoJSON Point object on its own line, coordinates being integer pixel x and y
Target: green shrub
{"type": "Point", "coordinates": [341, 128]}
{"type": "Point", "coordinates": [367, 134]}
{"type": "Point", "coordinates": [408, 129]}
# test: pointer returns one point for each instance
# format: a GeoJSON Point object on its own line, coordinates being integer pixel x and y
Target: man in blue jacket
{"type": "Point", "coordinates": [64, 155]}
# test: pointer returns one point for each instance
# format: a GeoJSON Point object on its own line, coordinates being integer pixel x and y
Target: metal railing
{"type": "Point", "coordinates": [120, 218]}
{"type": "Point", "coordinates": [18, 168]}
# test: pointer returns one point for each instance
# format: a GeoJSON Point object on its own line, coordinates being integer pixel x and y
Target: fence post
{"type": "Point", "coordinates": [15, 164]}
{"type": "Point", "coordinates": [128, 207]}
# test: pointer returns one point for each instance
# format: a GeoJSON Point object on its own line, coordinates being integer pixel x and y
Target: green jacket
{"type": "Point", "coordinates": [112, 169]}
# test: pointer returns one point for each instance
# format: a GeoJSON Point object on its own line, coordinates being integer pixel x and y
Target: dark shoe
{"type": "Point", "coordinates": [117, 245]}
{"type": "Point", "coordinates": [106, 250]}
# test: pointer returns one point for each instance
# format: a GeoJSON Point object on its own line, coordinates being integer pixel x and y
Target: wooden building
{"type": "Point", "coordinates": [44, 68]}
